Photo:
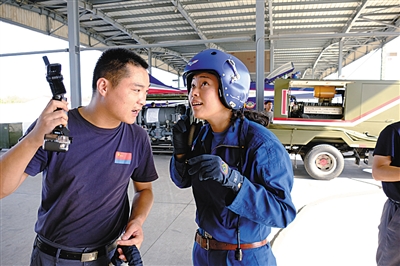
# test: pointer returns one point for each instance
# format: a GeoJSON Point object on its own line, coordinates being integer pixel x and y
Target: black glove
{"type": "Point", "coordinates": [131, 253]}
{"type": "Point", "coordinates": [214, 168]}
{"type": "Point", "coordinates": [180, 135]}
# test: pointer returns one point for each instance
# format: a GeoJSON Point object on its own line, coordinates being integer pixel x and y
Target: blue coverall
{"type": "Point", "coordinates": [263, 201]}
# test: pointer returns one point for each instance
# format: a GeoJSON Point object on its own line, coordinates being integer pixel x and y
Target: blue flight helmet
{"type": "Point", "coordinates": [234, 77]}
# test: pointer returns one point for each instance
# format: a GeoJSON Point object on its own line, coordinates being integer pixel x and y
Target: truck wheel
{"type": "Point", "coordinates": [324, 162]}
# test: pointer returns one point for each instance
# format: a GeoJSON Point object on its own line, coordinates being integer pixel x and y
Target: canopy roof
{"type": "Point", "coordinates": [309, 33]}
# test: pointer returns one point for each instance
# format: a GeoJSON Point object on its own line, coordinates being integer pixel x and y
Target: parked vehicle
{"type": "Point", "coordinates": [342, 119]}
{"type": "Point", "coordinates": [9, 134]}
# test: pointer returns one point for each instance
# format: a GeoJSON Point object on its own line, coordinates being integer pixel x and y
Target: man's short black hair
{"type": "Point", "coordinates": [112, 65]}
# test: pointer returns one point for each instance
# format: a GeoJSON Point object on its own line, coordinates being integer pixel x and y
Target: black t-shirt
{"type": "Point", "coordinates": [84, 190]}
{"type": "Point", "coordinates": [388, 144]}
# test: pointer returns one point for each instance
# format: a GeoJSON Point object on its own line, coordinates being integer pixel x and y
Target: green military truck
{"type": "Point", "coordinates": [9, 134]}
{"type": "Point", "coordinates": [327, 121]}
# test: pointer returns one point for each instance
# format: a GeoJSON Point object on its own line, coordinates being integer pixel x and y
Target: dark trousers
{"type": "Point", "coordinates": [388, 252]}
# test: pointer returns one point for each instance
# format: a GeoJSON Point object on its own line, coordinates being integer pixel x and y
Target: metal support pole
{"type": "Point", "coordinates": [383, 62]}
{"type": "Point", "coordinates": [149, 61]}
{"type": "Point", "coordinates": [271, 42]}
{"type": "Point", "coordinates": [74, 53]}
{"type": "Point", "coordinates": [340, 59]}
{"type": "Point", "coordinates": [260, 54]}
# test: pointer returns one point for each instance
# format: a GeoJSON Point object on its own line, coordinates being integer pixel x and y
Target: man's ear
{"type": "Point", "coordinates": [102, 86]}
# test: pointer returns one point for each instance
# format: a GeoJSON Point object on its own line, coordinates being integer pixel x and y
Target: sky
{"type": "Point", "coordinates": [369, 66]}
{"type": "Point", "coordinates": [24, 77]}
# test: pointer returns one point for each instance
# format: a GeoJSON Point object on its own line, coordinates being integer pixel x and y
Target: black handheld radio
{"type": "Point", "coordinates": [59, 139]}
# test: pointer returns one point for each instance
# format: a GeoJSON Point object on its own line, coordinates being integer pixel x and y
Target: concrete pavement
{"type": "Point", "coordinates": [336, 223]}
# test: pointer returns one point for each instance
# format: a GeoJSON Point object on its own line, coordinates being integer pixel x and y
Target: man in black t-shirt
{"type": "Point", "coordinates": [85, 212]}
{"type": "Point", "coordinates": [386, 168]}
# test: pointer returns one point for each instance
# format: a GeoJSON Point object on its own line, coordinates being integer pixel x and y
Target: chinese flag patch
{"type": "Point", "coordinates": [123, 157]}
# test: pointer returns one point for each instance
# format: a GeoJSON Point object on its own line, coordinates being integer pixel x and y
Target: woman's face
{"type": "Point", "coordinates": [203, 97]}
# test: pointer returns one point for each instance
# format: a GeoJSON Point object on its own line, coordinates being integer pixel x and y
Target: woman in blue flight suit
{"type": "Point", "coordinates": [240, 174]}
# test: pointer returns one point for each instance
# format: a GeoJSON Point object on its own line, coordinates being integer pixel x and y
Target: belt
{"type": "Point", "coordinates": [69, 255]}
{"type": "Point", "coordinates": [212, 244]}
{"type": "Point", "coordinates": [397, 203]}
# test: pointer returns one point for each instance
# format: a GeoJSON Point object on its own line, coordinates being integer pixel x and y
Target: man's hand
{"type": "Point", "coordinates": [53, 115]}
{"type": "Point", "coordinates": [133, 236]}
{"type": "Point", "coordinates": [212, 167]}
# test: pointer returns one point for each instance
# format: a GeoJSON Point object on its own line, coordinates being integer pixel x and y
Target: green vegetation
{"type": "Point", "coordinates": [13, 99]}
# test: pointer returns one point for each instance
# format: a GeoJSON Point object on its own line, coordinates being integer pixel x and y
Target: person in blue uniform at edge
{"type": "Point", "coordinates": [386, 168]}
{"type": "Point", "coordinates": [241, 175]}
{"type": "Point", "coordinates": [85, 207]}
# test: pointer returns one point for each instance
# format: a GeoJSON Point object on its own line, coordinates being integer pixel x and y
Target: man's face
{"type": "Point", "coordinates": [126, 100]}
{"type": "Point", "coordinates": [268, 106]}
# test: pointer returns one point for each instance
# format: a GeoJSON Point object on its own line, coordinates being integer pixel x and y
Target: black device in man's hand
{"type": "Point", "coordinates": [59, 139]}
{"type": "Point", "coordinates": [132, 254]}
